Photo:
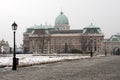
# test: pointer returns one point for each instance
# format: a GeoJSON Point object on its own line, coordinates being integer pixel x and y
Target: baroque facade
{"type": "Point", "coordinates": [112, 44]}
{"type": "Point", "coordinates": [4, 47]}
{"type": "Point", "coordinates": [61, 39]}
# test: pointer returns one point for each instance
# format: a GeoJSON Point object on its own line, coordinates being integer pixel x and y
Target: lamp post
{"type": "Point", "coordinates": [91, 52]}
{"type": "Point", "coordinates": [14, 28]}
{"type": "Point", "coordinates": [105, 50]}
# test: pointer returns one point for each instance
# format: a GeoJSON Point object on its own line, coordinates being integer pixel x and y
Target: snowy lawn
{"type": "Point", "coordinates": [28, 60]}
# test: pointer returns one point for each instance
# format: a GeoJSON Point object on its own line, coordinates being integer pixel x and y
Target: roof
{"type": "Point", "coordinates": [91, 26]}
{"type": "Point", "coordinates": [65, 31]}
{"type": "Point", "coordinates": [39, 27]}
{"type": "Point", "coordinates": [61, 19]}
{"type": "Point", "coordinates": [92, 29]}
{"type": "Point", "coordinates": [115, 37]}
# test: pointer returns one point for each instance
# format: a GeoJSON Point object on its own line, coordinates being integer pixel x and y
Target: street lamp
{"type": "Point", "coordinates": [91, 41]}
{"type": "Point", "coordinates": [105, 50]}
{"type": "Point", "coordinates": [14, 28]}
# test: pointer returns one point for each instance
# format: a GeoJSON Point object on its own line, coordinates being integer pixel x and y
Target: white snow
{"type": "Point", "coordinates": [31, 60]}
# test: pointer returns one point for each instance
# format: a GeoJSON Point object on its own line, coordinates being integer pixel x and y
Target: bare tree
{"type": "Point", "coordinates": [66, 48]}
{"type": "Point", "coordinates": [84, 43]}
{"type": "Point", "coordinates": [43, 38]}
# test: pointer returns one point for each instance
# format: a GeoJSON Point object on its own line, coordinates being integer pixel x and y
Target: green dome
{"type": "Point", "coordinates": [61, 19]}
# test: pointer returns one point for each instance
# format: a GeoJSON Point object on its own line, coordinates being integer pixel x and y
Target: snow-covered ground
{"type": "Point", "coordinates": [29, 59]}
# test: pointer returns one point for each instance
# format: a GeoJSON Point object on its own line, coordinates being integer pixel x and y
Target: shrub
{"type": "Point", "coordinates": [76, 51]}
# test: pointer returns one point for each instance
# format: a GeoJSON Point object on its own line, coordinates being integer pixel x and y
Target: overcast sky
{"type": "Point", "coordinates": [103, 13]}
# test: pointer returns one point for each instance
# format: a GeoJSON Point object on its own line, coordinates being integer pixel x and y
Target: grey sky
{"type": "Point", "coordinates": [103, 13]}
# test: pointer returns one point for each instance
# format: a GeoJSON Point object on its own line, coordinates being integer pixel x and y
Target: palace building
{"type": "Point", "coordinates": [61, 39]}
{"type": "Point", "coordinates": [4, 47]}
{"type": "Point", "coordinates": [112, 45]}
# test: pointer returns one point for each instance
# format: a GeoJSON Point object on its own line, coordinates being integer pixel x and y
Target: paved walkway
{"type": "Point", "coordinates": [100, 68]}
